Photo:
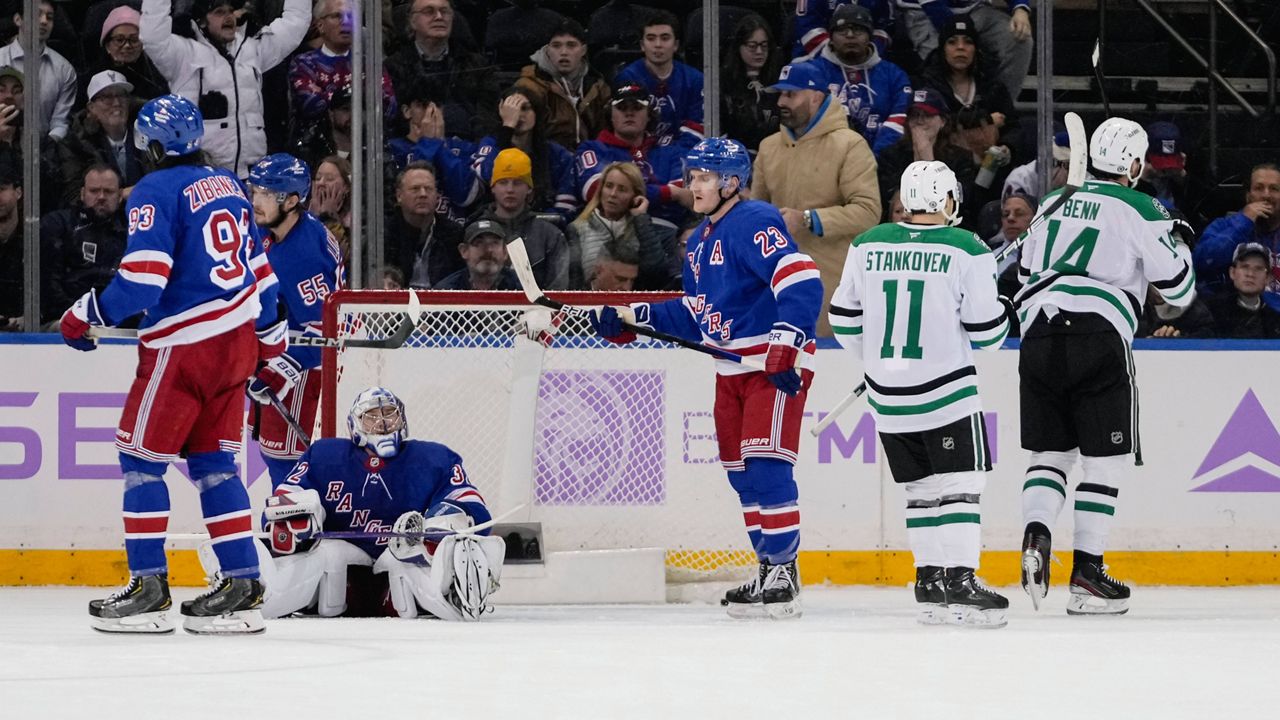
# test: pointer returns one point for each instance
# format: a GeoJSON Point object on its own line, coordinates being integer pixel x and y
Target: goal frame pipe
{"type": "Point", "coordinates": [329, 411]}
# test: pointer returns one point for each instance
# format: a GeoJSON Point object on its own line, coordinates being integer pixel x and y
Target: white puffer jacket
{"type": "Point", "coordinates": [195, 67]}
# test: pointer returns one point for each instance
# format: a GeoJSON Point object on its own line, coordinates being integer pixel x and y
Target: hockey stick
{"type": "Point", "coordinates": [435, 535]}
{"type": "Point", "coordinates": [289, 419]}
{"type": "Point", "coordinates": [1076, 172]}
{"type": "Point", "coordinates": [1097, 74]}
{"type": "Point", "coordinates": [529, 284]}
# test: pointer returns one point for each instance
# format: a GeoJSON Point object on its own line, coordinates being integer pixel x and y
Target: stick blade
{"type": "Point", "coordinates": [1079, 150]}
{"type": "Point", "coordinates": [524, 269]}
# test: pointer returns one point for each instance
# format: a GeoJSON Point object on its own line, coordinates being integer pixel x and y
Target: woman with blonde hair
{"type": "Point", "coordinates": [618, 214]}
{"type": "Point", "coordinates": [331, 199]}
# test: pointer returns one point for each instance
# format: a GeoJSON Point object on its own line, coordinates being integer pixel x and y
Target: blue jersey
{"type": "Point", "coordinates": [876, 95]}
{"type": "Point", "coordinates": [678, 97]}
{"type": "Point", "coordinates": [742, 275]}
{"type": "Point", "coordinates": [367, 493]}
{"type": "Point", "coordinates": [455, 176]}
{"type": "Point", "coordinates": [194, 260]}
{"type": "Point", "coordinates": [813, 17]}
{"type": "Point", "coordinates": [661, 163]}
{"type": "Point", "coordinates": [564, 178]}
{"type": "Point", "coordinates": [308, 265]}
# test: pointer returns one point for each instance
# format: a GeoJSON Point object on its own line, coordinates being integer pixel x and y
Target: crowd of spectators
{"type": "Point", "coordinates": [565, 125]}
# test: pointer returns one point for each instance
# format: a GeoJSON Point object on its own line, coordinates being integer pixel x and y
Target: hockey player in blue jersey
{"type": "Point", "coordinates": [378, 480]}
{"type": "Point", "coordinates": [308, 264]}
{"type": "Point", "coordinates": [194, 264]}
{"type": "Point", "coordinates": [748, 289]}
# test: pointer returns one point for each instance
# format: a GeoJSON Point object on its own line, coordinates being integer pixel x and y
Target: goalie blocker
{"type": "Point", "coordinates": [378, 480]}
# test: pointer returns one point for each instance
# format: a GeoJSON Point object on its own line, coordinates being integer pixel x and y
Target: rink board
{"type": "Point", "coordinates": [1201, 510]}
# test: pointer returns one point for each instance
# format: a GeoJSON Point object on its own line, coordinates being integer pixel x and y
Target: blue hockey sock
{"type": "Point", "coordinates": [146, 518]}
{"type": "Point", "coordinates": [779, 511]}
{"type": "Point", "coordinates": [750, 510]}
{"type": "Point", "coordinates": [224, 502]}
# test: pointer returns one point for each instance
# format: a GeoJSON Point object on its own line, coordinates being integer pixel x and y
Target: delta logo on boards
{"type": "Point", "coordinates": [1246, 455]}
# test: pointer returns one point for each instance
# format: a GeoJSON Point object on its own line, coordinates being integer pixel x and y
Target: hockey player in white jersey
{"type": "Point", "coordinates": [914, 300]}
{"type": "Point", "coordinates": [1086, 272]}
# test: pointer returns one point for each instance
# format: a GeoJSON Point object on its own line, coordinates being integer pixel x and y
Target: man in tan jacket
{"type": "Point", "coordinates": [819, 173]}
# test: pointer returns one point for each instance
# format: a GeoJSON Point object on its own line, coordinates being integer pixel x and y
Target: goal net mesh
{"type": "Point", "coordinates": [546, 414]}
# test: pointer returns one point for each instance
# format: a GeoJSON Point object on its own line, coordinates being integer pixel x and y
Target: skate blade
{"type": "Point", "coordinates": [932, 614]}
{"type": "Point", "coordinates": [1086, 604]}
{"type": "Point", "coordinates": [243, 622]}
{"type": "Point", "coordinates": [784, 610]}
{"type": "Point", "coordinates": [745, 611]}
{"type": "Point", "coordinates": [153, 623]}
{"type": "Point", "coordinates": [1031, 566]}
{"type": "Point", "coordinates": [972, 617]}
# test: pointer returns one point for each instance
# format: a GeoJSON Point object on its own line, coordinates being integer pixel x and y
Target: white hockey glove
{"type": "Point", "coordinates": [293, 519]}
{"type": "Point", "coordinates": [539, 325]}
{"type": "Point", "coordinates": [277, 376]}
{"type": "Point", "coordinates": [468, 572]}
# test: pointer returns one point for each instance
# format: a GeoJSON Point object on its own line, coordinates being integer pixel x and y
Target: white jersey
{"type": "Point", "coordinates": [915, 300]}
{"type": "Point", "coordinates": [1097, 253]}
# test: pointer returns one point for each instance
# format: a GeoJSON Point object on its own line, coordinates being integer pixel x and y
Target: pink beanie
{"type": "Point", "coordinates": [123, 15]}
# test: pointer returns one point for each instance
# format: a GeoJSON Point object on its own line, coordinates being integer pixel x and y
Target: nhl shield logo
{"type": "Point", "coordinates": [948, 443]}
{"type": "Point", "coordinates": [1117, 437]}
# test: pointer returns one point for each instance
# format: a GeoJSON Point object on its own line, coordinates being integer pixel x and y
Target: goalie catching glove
{"type": "Point", "coordinates": [293, 519]}
{"type": "Point", "coordinates": [445, 517]}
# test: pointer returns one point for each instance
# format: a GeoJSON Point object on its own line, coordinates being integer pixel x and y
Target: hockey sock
{"type": "Point", "coordinates": [146, 515]}
{"type": "Point", "coordinates": [1096, 497]}
{"type": "Point", "coordinates": [960, 519]}
{"type": "Point", "coordinates": [779, 512]}
{"type": "Point", "coordinates": [278, 469]}
{"type": "Point", "coordinates": [922, 521]}
{"type": "Point", "coordinates": [750, 510]}
{"type": "Point", "coordinates": [1045, 489]}
{"type": "Point", "coordinates": [224, 502]}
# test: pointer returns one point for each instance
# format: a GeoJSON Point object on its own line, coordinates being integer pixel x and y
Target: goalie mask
{"type": "Point", "coordinates": [377, 422]}
{"type": "Point", "coordinates": [926, 185]}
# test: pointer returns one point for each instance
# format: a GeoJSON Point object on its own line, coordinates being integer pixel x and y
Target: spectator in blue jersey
{"type": "Point", "coordinates": [451, 157]}
{"type": "Point", "coordinates": [675, 86]}
{"type": "Point", "coordinates": [523, 127]}
{"type": "Point", "coordinates": [484, 250]}
{"type": "Point", "coordinates": [315, 75]}
{"type": "Point", "coordinates": [750, 64]}
{"type": "Point", "coordinates": [421, 239]}
{"type": "Point", "coordinates": [57, 76]}
{"type": "Point", "coordinates": [511, 183]}
{"type": "Point", "coordinates": [463, 80]}
{"type": "Point", "coordinates": [957, 72]}
{"type": "Point", "coordinates": [874, 92]}
{"type": "Point", "coordinates": [1239, 311]}
{"type": "Point", "coordinates": [628, 139]}
{"type": "Point", "coordinates": [576, 96]}
{"type": "Point", "coordinates": [1257, 222]}
{"type": "Point", "coordinates": [617, 216]}
{"type": "Point", "coordinates": [1006, 37]}
{"type": "Point", "coordinates": [121, 47]}
{"type": "Point", "coordinates": [931, 135]}
{"type": "Point", "coordinates": [81, 246]}
{"type": "Point", "coordinates": [11, 247]}
{"type": "Point", "coordinates": [220, 68]}
{"type": "Point", "coordinates": [102, 134]}
{"type": "Point", "coordinates": [813, 17]}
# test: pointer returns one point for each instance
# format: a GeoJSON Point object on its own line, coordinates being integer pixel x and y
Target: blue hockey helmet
{"type": "Point", "coordinates": [168, 126]}
{"type": "Point", "coordinates": [383, 432]}
{"type": "Point", "coordinates": [282, 174]}
{"type": "Point", "coordinates": [728, 158]}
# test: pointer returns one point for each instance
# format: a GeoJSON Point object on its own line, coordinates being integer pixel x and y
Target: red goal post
{"type": "Point", "coordinates": [585, 433]}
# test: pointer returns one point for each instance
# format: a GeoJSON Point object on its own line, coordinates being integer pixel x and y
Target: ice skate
{"type": "Point", "coordinates": [747, 600]}
{"type": "Point", "coordinates": [931, 597]}
{"type": "Point", "coordinates": [230, 608]}
{"type": "Point", "coordinates": [781, 593]}
{"type": "Point", "coordinates": [1035, 563]}
{"type": "Point", "coordinates": [142, 606]}
{"type": "Point", "coordinates": [1094, 592]}
{"type": "Point", "coordinates": [970, 603]}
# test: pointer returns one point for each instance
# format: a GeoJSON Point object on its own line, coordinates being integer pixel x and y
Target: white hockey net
{"type": "Point", "coordinates": [575, 427]}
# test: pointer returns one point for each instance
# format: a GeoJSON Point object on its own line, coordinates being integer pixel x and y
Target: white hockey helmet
{"type": "Point", "coordinates": [926, 185]}
{"type": "Point", "coordinates": [382, 432]}
{"type": "Point", "coordinates": [1115, 144]}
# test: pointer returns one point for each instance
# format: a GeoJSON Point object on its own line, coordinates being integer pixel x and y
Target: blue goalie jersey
{"type": "Point", "coordinates": [364, 492]}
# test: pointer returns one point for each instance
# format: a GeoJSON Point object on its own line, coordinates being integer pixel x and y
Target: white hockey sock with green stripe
{"type": "Point", "coordinates": [1045, 489]}
{"type": "Point", "coordinates": [1096, 498]}
{"type": "Point", "coordinates": [960, 517]}
{"type": "Point", "coordinates": [922, 521]}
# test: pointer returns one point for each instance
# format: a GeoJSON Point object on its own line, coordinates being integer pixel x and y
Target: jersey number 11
{"type": "Point", "coordinates": [915, 294]}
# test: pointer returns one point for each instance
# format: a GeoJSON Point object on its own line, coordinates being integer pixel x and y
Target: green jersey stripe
{"type": "Point", "coordinates": [1095, 507]}
{"type": "Point", "coordinates": [962, 393]}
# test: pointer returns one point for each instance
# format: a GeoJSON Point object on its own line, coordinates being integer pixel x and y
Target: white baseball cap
{"type": "Point", "coordinates": [106, 79]}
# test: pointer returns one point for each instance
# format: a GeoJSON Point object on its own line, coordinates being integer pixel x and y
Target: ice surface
{"type": "Point", "coordinates": [857, 653]}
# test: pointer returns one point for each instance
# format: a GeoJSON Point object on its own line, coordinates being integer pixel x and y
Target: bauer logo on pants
{"type": "Point", "coordinates": [600, 438]}
{"type": "Point", "coordinates": [1246, 455]}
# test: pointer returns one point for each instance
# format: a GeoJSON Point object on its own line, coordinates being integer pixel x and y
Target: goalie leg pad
{"type": "Point", "coordinates": [296, 582]}
{"type": "Point", "coordinates": [464, 573]}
